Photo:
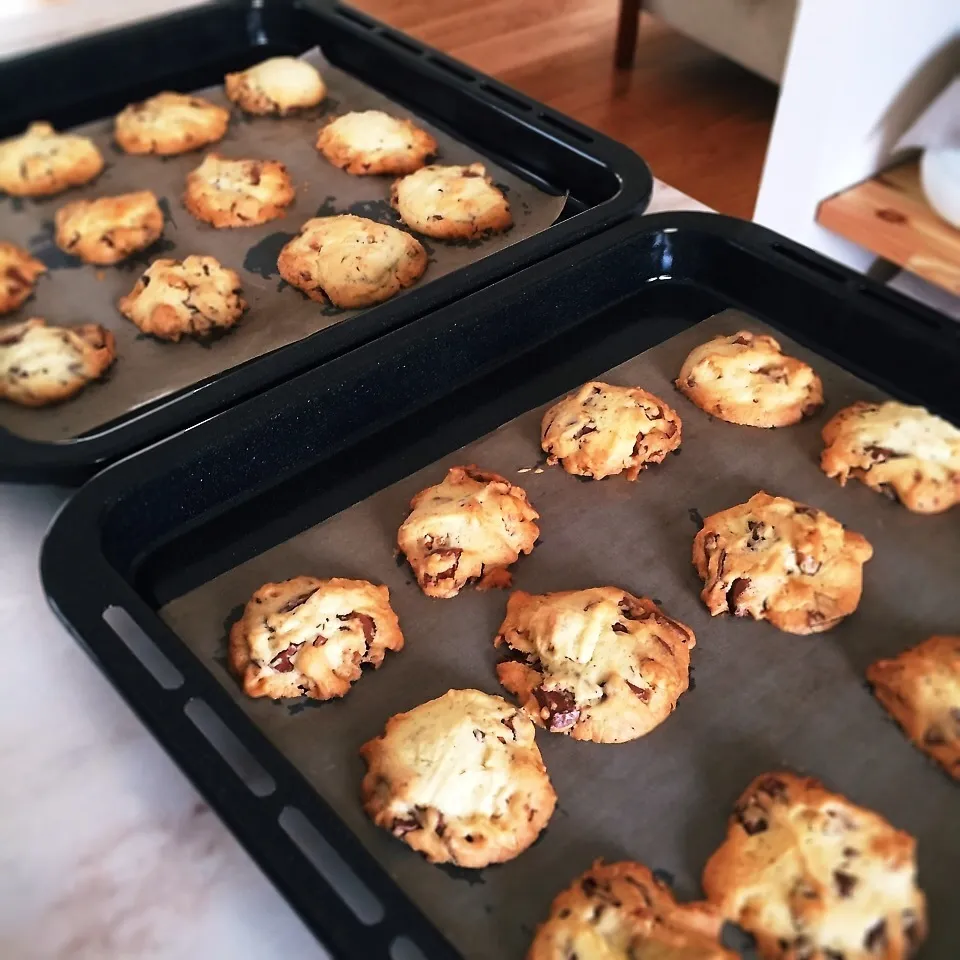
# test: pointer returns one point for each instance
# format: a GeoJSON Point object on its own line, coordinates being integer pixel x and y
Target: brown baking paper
{"type": "Point", "coordinates": [762, 700]}
{"type": "Point", "coordinates": [148, 369]}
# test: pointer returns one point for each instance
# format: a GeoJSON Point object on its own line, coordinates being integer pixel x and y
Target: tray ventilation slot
{"type": "Point", "coordinates": [143, 648]}
{"type": "Point", "coordinates": [400, 41]}
{"type": "Point", "coordinates": [558, 124]}
{"type": "Point", "coordinates": [355, 16]}
{"type": "Point", "coordinates": [505, 96]}
{"type": "Point", "coordinates": [331, 866]}
{"type": "Point", "coordinates": [240, 760]}
{"type": "Point", "coordinates": [809, 262]}
{"type": "Point", "coordinates": [452, 69]}
{"type": "Point", "coordinates": [403, 948]}
{"type": "Point", "coordinates": [880, 296]}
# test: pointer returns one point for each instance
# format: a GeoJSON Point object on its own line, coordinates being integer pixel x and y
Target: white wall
{"type": "Point", "coordinates": [858, 73]}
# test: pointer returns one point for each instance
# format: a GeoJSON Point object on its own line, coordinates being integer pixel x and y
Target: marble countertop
{"type": "Point", "coordinates": [106, 851]}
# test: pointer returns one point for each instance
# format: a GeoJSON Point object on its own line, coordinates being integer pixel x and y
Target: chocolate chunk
{"type": "Point", "coordinates": [752, 818]}
{"type": "Point", "coordinates": [631, 609]}
{"type": "Point", "coordinates": [875, 938]}
{"type": "Point", "coordinates": [448, 574]}
{"type": "Point", "coordinates": [558, 708]}
{"type": "Point", "coordinates": [283, 661]}
{"type": "Point", "coordinates": [912, 931]}
{"type": "Point", "coordinates": [776, 373]}
{"type": "Point", "coordinates": [642, 693]}
{"type": "Point", "coordinates": [773, 787]}
{"type": "Point", "coordinates": [508, 723]}
{"type": "Point", "coordinates": [584, 431]}
{"type": "Point", "coordinates": [744, 339]}
{"type": "Point", "coordinates": [620, 628]}
{"type": "Point", "coordinates": [805, 511]}
{"type": "Point", "coordinates": [367, 624]}
{"type": "Point", "coordinates": [882, 454]}
{"type": "Point", "coordinates": [734, 594]}
{"type": "Point", "coordinates": [297, 601]}
{"type": "Point", "coordinates": [845, 882]}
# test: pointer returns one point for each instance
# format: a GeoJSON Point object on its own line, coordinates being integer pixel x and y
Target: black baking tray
{"type": "Point", "coordinates": [170, 518]}
{"type": "Point", "coordinates": [96, 76]}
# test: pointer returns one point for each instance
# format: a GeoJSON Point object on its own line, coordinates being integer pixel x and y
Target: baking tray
{"type": "Point", "coordinates": [172, 541]}
{"type": "Point", "coordinates": [552, 168]}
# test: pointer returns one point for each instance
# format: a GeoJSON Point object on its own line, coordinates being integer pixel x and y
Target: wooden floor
{"type": "Point", "coordinates": [700, 121]}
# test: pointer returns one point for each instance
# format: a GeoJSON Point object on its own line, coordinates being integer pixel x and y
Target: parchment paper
{"type": "Point", "coordinates": [147, 369]}
{"type": "Point", "coordinates": [762, 701]}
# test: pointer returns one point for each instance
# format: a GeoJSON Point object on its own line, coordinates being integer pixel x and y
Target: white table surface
{"type": "Point", "coordinates": [106, 851]}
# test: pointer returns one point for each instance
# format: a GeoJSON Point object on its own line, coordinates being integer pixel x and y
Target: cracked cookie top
{"type": "Point", "coordinates": [621, 911]}
{"type": "Point", "coordinates": [460, 779]}
{"type": "Point", "coordinates": [599, 664]}
{"type": "Point", "coordinates": [173, 299]}
{"type": "Point", "coordinates": [470, 526]}
{"type": "Point", "coordinates": [602, 430]}
{"type": "Point", "coordinates": [812, 875]}
{"type": "Point", "coordinates": [745, 378]}
{"type": "Point", "coordinates": [905, 452]}
{"type": "Point", "coordinates": [310, 637]}
{"type": "Point", "coordinates": [238, 193]}
{"type": "Point", "coordinates": [774, 559]}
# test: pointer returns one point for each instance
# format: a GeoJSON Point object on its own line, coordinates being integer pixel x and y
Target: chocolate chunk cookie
{"type": "Point", "coordinates": [814, 877]}
{"type": "Point", "coordinates": [170, 123]}
{"type": "Point", "coordinates": [470, 526]}
{"type": "Point", "coordinates": [351, 261]}
{"type": "Point", "coordinates": [604, 429]}
{"type": "Point", "coordinates": [173, 299]}
{"type": "Point", "coordinates": [372, 142]}
{"type": "Point", "coordinates": [620, 911]}
{"type": "Point", "coordinates": [18, 276]}
{"type": "Point", "coordinates": [42, 162]}
{"type": "Point", "coordinates": [41, 364]}
{"type": "Point", "coordinates": [238, 193]}
{"type": "Point", "coordinates": [598, 664]}
{"type": "Point", "coordinates": [308, 638]}
{"type": "Point", "coordinates": [921, 689]}
{"type": "Point", "coordinates": [280, 85]}
{"type": "Point", "coordinates": [451, 203]}
{"type": "Point", "coordinates": [903, 451]}
{"type": "Point", "coordinates": [460, 779]}
{"type": "Point", "coordinates": [109, 229]}
{"type": "Point", "coordinates": [774, 559]}
{"type": "Point", "coordinates": [746, 379]}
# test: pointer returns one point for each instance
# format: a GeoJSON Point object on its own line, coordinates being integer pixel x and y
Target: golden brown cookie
{"type": "Point", "coordinates": [109, 229]}
{"type": "Point", "coordinates": [746, 379]}
{"type": "Point", "coordinates": [41, 364]}
{"type": "Point", "coordinates": [598, 664]}
{"type": "Point", "coordinates": [774, 559]}
{"type": "Point", "coordinates": [170, 123]}
{"type": "Point", "coordinates": [309, 638]}
{"type": "Point", "coordinates": [372, 142]}
{"type": "Point", "coordinates": [196, 296]}
{"type": "Point", "coordinates": [813, 876]}
{"type": "Point", "coordinates": [238, 193]}
{"type": "Point", "coordinates": [42, 162]}
{"type": "Point", "coordinates": [470, 526]}
{"type": "Point", "coordinates": [620, 911]}
{"type": "Point", "coordinates": [604, 429]}
{"type": "Point", "coordinates": [351, 261]}
{"type": "Point", "coordinates": [460, 779]}
{"type": "Point", "coordinates": [18, 276]}
{"type": "Point", "coordinates": [921, 689]}
{"type": "Point", "coordinates": [905, 452]}
{"type": "Point", "coordinates": [451, 203]}
{"type": "Point", "coordinates": [280, 85]}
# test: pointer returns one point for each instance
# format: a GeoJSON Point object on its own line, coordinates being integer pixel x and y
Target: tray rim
{"type": "Point", "coordinates": [73, 460]}
{"type": "Point", "coordinates": [74, 535]}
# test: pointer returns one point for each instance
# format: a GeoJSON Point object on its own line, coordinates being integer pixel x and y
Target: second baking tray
{"type": "Point", "coordinates": [156, 388]}
{"type": "Point", "coordinates": [151, 561]}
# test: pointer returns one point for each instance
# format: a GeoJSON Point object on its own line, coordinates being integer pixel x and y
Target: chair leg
{"type": "Point", "coordinates": [627, 27]}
